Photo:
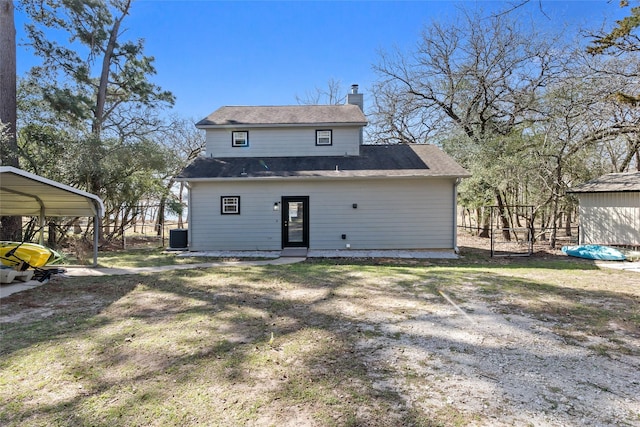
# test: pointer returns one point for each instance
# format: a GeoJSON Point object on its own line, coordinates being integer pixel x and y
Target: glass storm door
{"type": "Point", "coordinates": [295, 221]}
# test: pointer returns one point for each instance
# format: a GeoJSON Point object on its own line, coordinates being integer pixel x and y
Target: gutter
{"type": "Point", "coordinates": [333, 175]}
{"type": "Point", "coordinates": [205, 126]}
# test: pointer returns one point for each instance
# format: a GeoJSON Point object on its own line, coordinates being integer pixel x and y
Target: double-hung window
{"type": "Point", "coordinates": [324, 137]}
{"type": "Point", "coordinates": [240, 138]}
{"type": "Point", "coordinates": [230, 205]}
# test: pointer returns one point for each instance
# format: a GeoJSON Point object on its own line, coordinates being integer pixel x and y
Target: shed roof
{"type": "Point", "coordinates": [255, 116]}
{"type": "Point", "coordinates": [424, 160]}
{"type": "Point", "coordinates": [610, 183]}
{"type": "Point", "coordinates": [24, 193]}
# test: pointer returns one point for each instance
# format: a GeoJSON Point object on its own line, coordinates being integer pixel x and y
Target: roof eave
{"type": "Point", "coordinates": [339, 175]}
{"type": "Point", "coordinates": [201, 125]}
{"type": "Point", "coordinates": [578, 191]}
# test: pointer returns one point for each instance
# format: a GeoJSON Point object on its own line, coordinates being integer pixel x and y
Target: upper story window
{"type": "Point", "coordinates": [324, 137]}
{"type": "Point", "coordinates": [240, 138]}
{"type": "Point", "coordinates": [230, 205]}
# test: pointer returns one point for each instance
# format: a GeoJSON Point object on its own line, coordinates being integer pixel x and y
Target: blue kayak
{"type": "Point", "coordinates": [605, 253]}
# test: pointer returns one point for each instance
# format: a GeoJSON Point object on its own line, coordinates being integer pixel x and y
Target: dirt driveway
{"type": "Point", "coordinates": [544, 341]}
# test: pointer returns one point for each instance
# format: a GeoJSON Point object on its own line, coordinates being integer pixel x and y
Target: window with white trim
{"type": "Point", "coordinates": [240, 138]}
{"type": "Point", "coordinates": [324, 137]}
{"type": "Point", "coordinates": [230, 205]}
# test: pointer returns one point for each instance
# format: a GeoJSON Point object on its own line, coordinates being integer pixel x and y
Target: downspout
{"type": "Point", "coordinates": [189, 216]}
{"type": "Point", "coordinates": [455, 215]}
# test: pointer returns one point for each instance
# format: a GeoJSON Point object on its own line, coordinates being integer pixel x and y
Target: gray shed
{"type": "Point", "coordinates": [609, 211]}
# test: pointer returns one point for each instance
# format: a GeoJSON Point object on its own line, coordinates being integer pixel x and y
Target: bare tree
{"type": "Point", "coordinates": [479, 76]}
{"type": "Point", "coordinates": [331, 95]}
{"type": "Point", "coordinates": [185, 142]}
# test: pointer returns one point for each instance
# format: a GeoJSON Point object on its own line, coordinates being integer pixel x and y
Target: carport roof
{"type": "Point", "coordinates": [24, 193]}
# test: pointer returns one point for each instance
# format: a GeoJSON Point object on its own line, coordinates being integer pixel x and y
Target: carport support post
{"type": "Point", "coordinates": [96, 226]}
{"type": "Point", "coordinates": [41, 238]}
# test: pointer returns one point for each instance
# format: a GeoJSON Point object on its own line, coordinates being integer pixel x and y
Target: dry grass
{"type": "Point", "coordinates": [354, 343]}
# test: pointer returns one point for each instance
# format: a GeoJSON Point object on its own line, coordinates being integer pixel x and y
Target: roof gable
{"type": "Point", "coordinates": [294, 115]}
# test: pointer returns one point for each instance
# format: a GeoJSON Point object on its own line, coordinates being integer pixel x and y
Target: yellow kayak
{"type": "Point", "coordinates": [31, 253]}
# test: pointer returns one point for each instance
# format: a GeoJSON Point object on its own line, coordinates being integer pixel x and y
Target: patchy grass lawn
{"type": "Point", "coordinates": [546, 341]}
{"type": "Point", "coordinates": [151, 257]}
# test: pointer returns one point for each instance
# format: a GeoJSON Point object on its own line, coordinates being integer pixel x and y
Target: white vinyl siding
{"type": "Point", "coordinates": [610, 218]}
{"type": "Point", "coordinates": [390, 214]}
{"type": "Point", "coordinates": [284, 142]}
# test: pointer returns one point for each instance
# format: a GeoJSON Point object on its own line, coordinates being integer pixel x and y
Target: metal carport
{"type": "Point", "coordinates": [26, 194]}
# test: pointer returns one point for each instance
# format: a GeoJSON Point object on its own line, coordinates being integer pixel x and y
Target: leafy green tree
{"type": "Point", "coordinates": [623, 38]}
{"type": "Point", "coordinates": [90, 110]}
{"type": "Point", "coordinates": [94, 81]}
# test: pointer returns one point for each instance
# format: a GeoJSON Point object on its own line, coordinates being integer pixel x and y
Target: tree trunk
{"type": "Point", "coordinates": [543, 227]}
{"type": "Point", "coordinates": [634, 151]}
{"type": "Point", "coordinates": [506, 234]}
{"type": "Point", "coordinates": [10, 226]}
{"type": "Point", "coordinates": [9, 154]}
{"type": "Point", "coordinates": [101, 95]}
{"type": "Point", "coordinates": [486, 223]}
{"type": "Point", "coordinates": [160, 221]}
{"type": "Point", "coordinates": [567, 225]}
{"type": "Point", "coordinates": [554, 223]}
{"type": "Point", "coordinates": [162, 208]}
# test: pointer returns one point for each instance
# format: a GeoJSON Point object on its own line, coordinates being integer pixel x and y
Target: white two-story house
{"type": "Point", "coordinates": [275, 177]}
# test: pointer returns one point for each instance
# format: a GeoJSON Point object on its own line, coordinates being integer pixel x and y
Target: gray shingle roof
{"type": "Point", "coordinates": [374, 160]}
{"type": "Point", "coordinates": [613, 182]}
{"type": "Point", "coordinates": [284, 115]}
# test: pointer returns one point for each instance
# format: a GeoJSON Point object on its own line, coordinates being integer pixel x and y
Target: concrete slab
{"type": "Point", "coordinates": [403, 254]}
{"type": "Point", "coordinates": [623, 265]}
{"type": "Point", "coordinates": [294, 252]}
{"type": "Point", "coordinates": [14, 287]}
{"type": "Point", "coordinates": [342, 253]}
{"type": "Point", "coordinates": [232, 254]}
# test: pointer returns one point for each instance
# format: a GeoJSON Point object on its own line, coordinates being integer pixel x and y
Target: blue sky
{"type": "Point", "coordinates": [214, 53]}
